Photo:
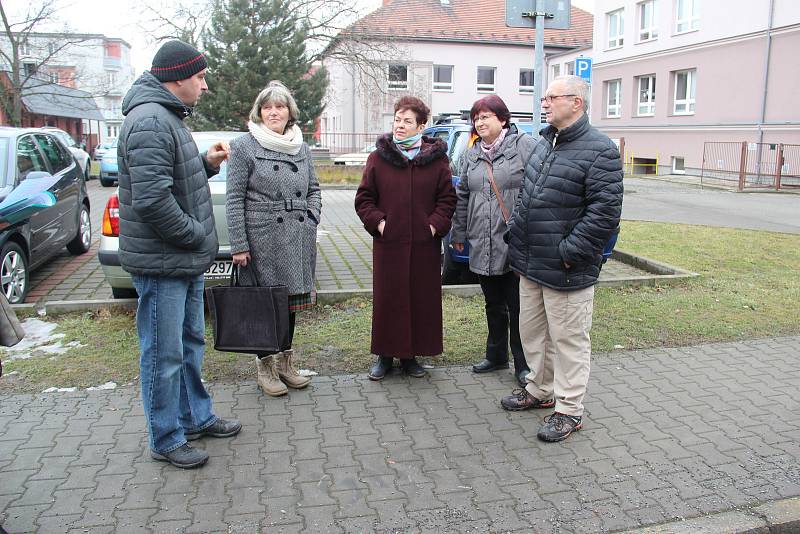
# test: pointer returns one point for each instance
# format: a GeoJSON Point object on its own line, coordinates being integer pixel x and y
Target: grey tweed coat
{"type": "Point", "coordinates": [273, 208]}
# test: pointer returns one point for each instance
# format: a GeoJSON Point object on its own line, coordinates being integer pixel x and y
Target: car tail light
{"type": "Point", "coordinates": [111, 217]}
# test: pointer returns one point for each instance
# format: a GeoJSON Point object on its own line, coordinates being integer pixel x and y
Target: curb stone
{"type": "Point", "coordinates": [776, 517]}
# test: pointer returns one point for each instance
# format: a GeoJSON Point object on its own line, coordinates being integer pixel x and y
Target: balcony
{"type": "Point", "coordinates": [112, 62]}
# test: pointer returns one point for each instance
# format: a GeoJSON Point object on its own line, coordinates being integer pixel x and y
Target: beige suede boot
{"type": "Point", "coordinates": [268, 378]}
{"type": "Point", "coordinates": [288, 373]}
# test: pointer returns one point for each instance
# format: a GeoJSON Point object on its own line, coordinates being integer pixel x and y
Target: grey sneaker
{"type": "Point", "coordinates": [185, 457]}
{"type": "Point", "coordinates": [222, 428]}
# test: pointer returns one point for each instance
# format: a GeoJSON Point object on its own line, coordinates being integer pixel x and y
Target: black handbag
{"type": "Point", "coordinates": [249, 319]}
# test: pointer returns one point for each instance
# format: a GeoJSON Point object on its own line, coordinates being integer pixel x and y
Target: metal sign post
{"type": "Point", "coordinates": [538, 14]}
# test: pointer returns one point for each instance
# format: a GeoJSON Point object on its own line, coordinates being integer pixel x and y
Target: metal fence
{"type": "Point", "coordinates": [751, 165]}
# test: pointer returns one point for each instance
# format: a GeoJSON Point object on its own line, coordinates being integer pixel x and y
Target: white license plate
{"type": "Point", "coordinates": [219, 269]}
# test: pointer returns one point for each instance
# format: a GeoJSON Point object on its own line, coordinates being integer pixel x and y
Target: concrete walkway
{"type": "Point", "coordinates": [670, 435]}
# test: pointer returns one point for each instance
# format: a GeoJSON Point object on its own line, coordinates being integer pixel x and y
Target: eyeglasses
{"type": "Point", "coordinates": [484, 118]}
{"type": "Point", "coordinates": [549, 98]}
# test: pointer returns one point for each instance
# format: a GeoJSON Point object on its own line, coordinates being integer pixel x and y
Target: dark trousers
{"type": "Point", "coordinates": [501, 293]}
{"type": "Point", "coordinates": [292, 316]}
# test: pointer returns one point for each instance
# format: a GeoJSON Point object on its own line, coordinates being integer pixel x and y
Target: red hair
{"type": "Point", "coordinates": [493, 104]}
{"type": "Point", "coordinates": [416, 105]}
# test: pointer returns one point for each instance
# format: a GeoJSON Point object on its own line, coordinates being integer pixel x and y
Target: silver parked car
{"type": "Point", "coordinates": [81, 156]}
{"type": "Point", "coordinates": [108, 254]}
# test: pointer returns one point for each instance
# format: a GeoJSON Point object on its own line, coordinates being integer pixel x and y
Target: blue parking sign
{"type": "Point", "coordinates": [583, 68]}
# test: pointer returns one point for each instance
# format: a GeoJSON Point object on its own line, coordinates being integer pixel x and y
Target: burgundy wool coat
{"type": "Point", "coordinates": [409, 195]}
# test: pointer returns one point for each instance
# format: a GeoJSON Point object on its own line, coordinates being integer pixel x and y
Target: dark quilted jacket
{"type": "Point", "coordinates": [166, 220]}
{"type": "Point", "coordinates": [569, 204]}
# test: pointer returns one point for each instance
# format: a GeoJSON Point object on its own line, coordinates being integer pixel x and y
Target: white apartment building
{"type": "Point", "coordinates": [671, 75]}
{"type": "Point", "coordinates": [93, 63]}
{"type": "Point", "coordinates": [449, 53]}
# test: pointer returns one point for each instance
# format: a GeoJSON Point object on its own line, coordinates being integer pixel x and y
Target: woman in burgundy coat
{"type": "Point", "coordinates": [405, 200]}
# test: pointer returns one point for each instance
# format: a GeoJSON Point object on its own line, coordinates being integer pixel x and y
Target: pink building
{"type": "Point", "coordinates": [671, 75]}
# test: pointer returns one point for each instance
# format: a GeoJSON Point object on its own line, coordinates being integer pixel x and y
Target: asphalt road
{"type": "Point", "coordinates": [651, 200]}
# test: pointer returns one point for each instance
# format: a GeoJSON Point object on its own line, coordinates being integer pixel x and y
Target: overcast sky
{"type": "Point", "coordinates": [122, 18]}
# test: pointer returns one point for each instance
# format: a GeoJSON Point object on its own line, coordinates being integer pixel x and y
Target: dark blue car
{"type": "Point", "coordinates": [30, 155]}
{"type": "Point", "coordinates": [455, 265]}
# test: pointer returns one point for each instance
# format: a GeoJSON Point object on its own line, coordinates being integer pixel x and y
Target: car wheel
{"type": "Point", "coordinates": [86, 176]}
{"type": "Point", "coordinates": [13, 273]}
{"type": "Point", "coordinates": [106, 183]}
{"type": "Point", "coordinates": [83, 239]}
{"type": "Point", "coordinates": [124, 293]}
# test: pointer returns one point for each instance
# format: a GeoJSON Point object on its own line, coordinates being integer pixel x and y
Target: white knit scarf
{"type": "Point", "coordinates": [289, 143]}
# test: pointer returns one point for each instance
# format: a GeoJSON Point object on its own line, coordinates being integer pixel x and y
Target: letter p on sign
{"type": "Point", "coordinates": [583, 68]}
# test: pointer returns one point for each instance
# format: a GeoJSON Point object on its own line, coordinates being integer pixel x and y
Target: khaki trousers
{"type": "Point", "coordinates": [554, 327]}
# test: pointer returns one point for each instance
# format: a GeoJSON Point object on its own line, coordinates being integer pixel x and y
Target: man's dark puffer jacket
{"type": "Point", "coordinates": [166, 217]}
{"type": "Point", "coordinates": [569, 205]}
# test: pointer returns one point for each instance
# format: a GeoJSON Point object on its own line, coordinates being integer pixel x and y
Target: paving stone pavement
{"type": "Point", "coordinates": [344, 259]}
{"type": "Point", "coordinates": [669, 433]}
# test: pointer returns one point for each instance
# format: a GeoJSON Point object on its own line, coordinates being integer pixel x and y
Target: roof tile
{"type": "Point", "coordinates": [464, 20]}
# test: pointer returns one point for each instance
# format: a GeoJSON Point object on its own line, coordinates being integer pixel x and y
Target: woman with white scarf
{"type": "Point", "coordinates": [273, 208]}
{"type": "Point", "coordinates": [491, 173]}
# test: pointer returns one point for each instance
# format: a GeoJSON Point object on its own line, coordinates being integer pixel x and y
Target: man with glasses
{"type": "Point", "coordinates": [568, 206]}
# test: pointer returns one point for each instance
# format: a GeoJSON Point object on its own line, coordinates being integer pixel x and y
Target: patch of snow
{"type": "Point", "coordinates": [60, 390]}
{"type": "Point", "coordinates": [307, 372]}
{"type": "Point", "coordinates": [107, 385]}
{"type": "Point", "coordinates": [39, 337]}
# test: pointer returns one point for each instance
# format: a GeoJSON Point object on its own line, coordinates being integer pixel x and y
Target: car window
{"type": "Point", "coordinates": [442, 134]}
{"type": "Point", "coordinates": [3, 161]}
{"type": "Point", "coordinates": [457, 150]}
{"type": "Point", "coordinates": [58, 156]}
{"type": "Point", "coordinates": [28, 158]}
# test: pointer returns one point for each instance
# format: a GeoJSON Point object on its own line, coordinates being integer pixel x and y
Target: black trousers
{"type": "Point", "coordinates": [501, 293]}
{"type": "Point", "coordinates": [292, 317]}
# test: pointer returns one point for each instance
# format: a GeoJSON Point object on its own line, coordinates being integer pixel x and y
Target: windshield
{"type": "Point", "coordinates": [204, 140]}
{"type": "Point", "coordinates": [3, 161]}
{"type": "Point", "coordinates": [64, 137]}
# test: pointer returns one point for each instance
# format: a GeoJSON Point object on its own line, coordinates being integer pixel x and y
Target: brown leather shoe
{"type": "Point", "coordinates": [520, 400]}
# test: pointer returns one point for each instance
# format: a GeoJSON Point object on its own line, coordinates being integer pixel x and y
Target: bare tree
{"type": "Point", "coordinates": [30, 57]}
{"type": "Point", "coordinates": [326, 22]}
{"type": "Point", "coordinates": [185, 20]}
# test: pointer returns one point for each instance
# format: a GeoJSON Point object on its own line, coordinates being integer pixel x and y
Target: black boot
{"type": "Point", "coordinates": [382, 366]}
{"type": "Point", "coordinates": [412, 367]}
{"type": "Point", "coordinates": [488, 365]}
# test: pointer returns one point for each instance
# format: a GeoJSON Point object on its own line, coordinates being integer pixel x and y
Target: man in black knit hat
{"type": "Point", "coordinates": [167, 240]}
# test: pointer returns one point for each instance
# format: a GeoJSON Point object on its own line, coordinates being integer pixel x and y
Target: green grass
{"type": "Point", "coordinates": [748, 287]}
{"type": "Point", "coordinates": [338, 174]}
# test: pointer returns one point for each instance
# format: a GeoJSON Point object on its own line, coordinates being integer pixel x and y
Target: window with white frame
{"type": "Point", "coordinates": [615, 22]}
{"type": "Point", "coordinates": [648, 29]}
{"type": "Point", "coordinates": [24, 48]}
{"type": "Point", "coordinates": [569, 68]}
{"type": "Point", "coordinates": [556, 70]}
{"type": "Point", "coordinates": [398, 76]}
{"type": "Point", "coordinates": [442, 77]}
{"type": "Point", "coordinates": [687, 15]}
{"type": "Point", "coordinates": [678, 165]}
{"type": "Point", "coordinates": [486, 79]}
{"type": "Point", "coordinates": [111, 77]}
{"type": "Point", "coordinates": [685, 81]}
{"type": "Point", "coordinates": [613, 98]}
{"type": "Point", "coordinates": [526, 81]}
{"type": "Point", "coordinates": [646, 88]}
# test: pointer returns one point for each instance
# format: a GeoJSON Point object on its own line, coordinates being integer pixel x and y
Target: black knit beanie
{"type": "Point", "coordinates": [176, 60]}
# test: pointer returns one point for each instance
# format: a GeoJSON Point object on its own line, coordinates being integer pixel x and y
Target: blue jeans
{"type": "Point", "coordinates": [171, 327]}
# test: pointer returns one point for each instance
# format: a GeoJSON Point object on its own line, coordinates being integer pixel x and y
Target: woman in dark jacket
{"type": "Point", "coordinates": [405, 201]}
{"type": "Point", "coordinates": [491, 174]}
{"type": "Point", "coordinates": [273, 207]}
